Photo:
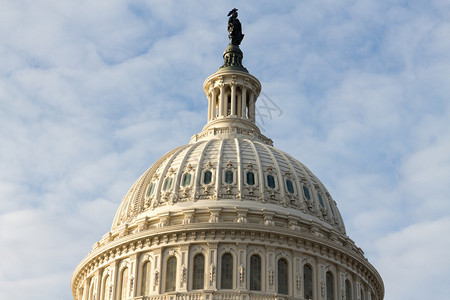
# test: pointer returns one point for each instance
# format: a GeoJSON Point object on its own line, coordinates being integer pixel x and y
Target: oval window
{"type": "Point", "coordinates": [187, 179]}
{"type": "Point", "coordinates": [290, 186]}
{"type": "Point", "coordinates": [250, 178]}
{"type": "Point", "coordinates": [271, 181]}
{"type": "Point", "coordinates": [207, 177]}
{"type": "Point", "coordinates": [229, 177]}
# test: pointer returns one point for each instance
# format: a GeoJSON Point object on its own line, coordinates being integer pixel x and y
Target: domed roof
{"type": "Point", "coordinates": [230, 166]}
{"type": "Point", "coordinates": [228, 173]}
{"type": "Point", "coordinates": [192, 224]}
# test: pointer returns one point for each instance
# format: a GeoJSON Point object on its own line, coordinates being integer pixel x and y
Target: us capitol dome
{"type": "Point", "coordinates": [228, 216]}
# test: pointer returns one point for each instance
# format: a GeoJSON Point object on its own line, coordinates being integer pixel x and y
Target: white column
{"type": "Point", "coordinates": [251, 108]}
{"type": "Point", "coordinates": [209, 107]}
{"type": "Point", "coordinates": [233, 100]}
{"type": "Point", "coordinates": [221, 101]}
{"type": "Point", "coordinates": [244, 102]}
{"type": "Point", "coordinates": [213, 103]}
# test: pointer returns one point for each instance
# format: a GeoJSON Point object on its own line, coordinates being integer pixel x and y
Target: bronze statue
{"type": "Point", "coordinates": [234, 28]}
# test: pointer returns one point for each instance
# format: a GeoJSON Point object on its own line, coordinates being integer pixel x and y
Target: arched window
{"type": "Point", "coordinates": [330, 286]}
{"type": "Point", "coordinates": [123, 284]}
{"type": "Point", "coordinates": [250, 178]}
{"type": "Point", "coordinates": [362, 295]}
{"type": "Point", "coordinates": [198, 272]}
{"type": "Point", "coordinates": [290, 186]}
{"type": "Point", "coordinates": [255, 272]}
{"type": "Point", "coordinates": [348, 290]}
{"type": "Point", "coordinates": [105, 287]}
{"type": "Point", "coordinates": [186, 179]}
{"type": "Point", "coordinates": [283, 277]}
{"type": "Point", "coordinates": [307, 282]}
{"type": "Point", "coordinates": [171, 273]}
{"type": "Point", "coordinates": [306, 192]}
{"type": "Point", "coordinates": [229, 177]}
{"type": "Point", "coordinates": [145, 279]}
{"type": "Point", "coordinates": [226, 275]}
{"type": "Point", "coordinates": [207, 177]}
{"type": "Point", "coordinates": [271, 181]}
{"type": "Point", "coordinates": [167, 183]}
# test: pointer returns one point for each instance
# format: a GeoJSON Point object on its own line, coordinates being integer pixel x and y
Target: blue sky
{"type": "Point", "coordinates": [93, 92]}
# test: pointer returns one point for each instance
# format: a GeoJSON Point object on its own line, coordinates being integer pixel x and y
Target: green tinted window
{"type": "Point", "coordinates": [207, 177]}
{"type": "Point", "coordinates": [250, 178]}
{"type": "Point", "coordinates": [187, 179]}
{"type": "Point", "coordinates": [306, 191]}
{"type": "Point", "coordinates": [271, 181]}
{"type": "Point", "coordinates": [167, 183]}
{"type": "Point", "coordinates": [290, 186]}
{"type": "Point", "coordinates": [229, 177]}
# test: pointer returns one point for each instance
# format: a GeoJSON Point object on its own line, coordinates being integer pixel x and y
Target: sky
{"type": "Point", "coordinates": [93, 92]}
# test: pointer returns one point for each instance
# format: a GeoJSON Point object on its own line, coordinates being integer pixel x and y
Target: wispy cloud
{"type": "Point", "coordinates": [93, 92]}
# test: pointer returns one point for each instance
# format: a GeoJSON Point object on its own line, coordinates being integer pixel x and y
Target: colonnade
{"type": "Point", "coordinates": [231, 100]}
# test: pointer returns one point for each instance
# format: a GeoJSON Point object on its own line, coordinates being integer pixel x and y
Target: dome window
{"type": "Point", "coordinates": [150, 189]}
{"type": "Point", "coordinates": [306, 191]}
{"type": "Point", "coordinates": [145, 282]}
{"type": "Point", "coordinates": [207, 177]}
{"type": "Point", "coordinates": [330, 286]}
{"type": "Point", "coordinates": [320, 200]}
{"type": "Point", "coordinates": [348, 290]}
{"type": "Point", "coordinates": [167, 183]}
{"type": "Point", "coordinates": [290, 186]}
{"type": "Point", "coordinates": [331, 208]}
{"type": "Point", "coordinates": [271, 181]}
{"type": "Point", "coordinates": [250, 178]}
{"type": "Point", "coordinates": [198, 272]}
{"type": "Point", "coordinates": [226, 280]}
{"type": "Point", "coordinates": [255, 272]}
{"type": "Point", "coordinates": [186, 179]}
{"type": "Point", "coordinates": [171, 272]}
{"type": "Point", "coordinates": [228, 177]}
{"type": "Point", "coordinates": [123, 283]}
{"type": "Point", "coordinates": [308, 282]}
{"type": "Point", "coordinates": [283, 276]}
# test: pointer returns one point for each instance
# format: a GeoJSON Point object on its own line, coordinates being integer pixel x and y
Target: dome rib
{"type": "Point", "coordinates": [218, 168]}
{"type": "Point", "coordinates": [278, 172]}
{"type": "Point", "coordinates": [164, 172]}
{"type": "Point", "coordinates": [294, 174]}
{"type": "Point", "coordinates": [182, 167]}
{"type": "Point", "coordinates": [199, 167]}
{"type": "Point", "coordinates": [141, 182]}
{"type": "Point", "coordinates": [240, 175]}
{"type": "Point", "coordinates": [260, 172]}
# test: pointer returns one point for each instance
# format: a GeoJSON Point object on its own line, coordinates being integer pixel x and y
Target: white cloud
{"type": "Point", "coordinates": [93, 92]}
{"type": "Point", "coordinates": [414, 261]}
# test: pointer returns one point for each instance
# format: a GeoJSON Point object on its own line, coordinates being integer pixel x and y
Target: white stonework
{"type": "Point", "coordinates": [229, 194]}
